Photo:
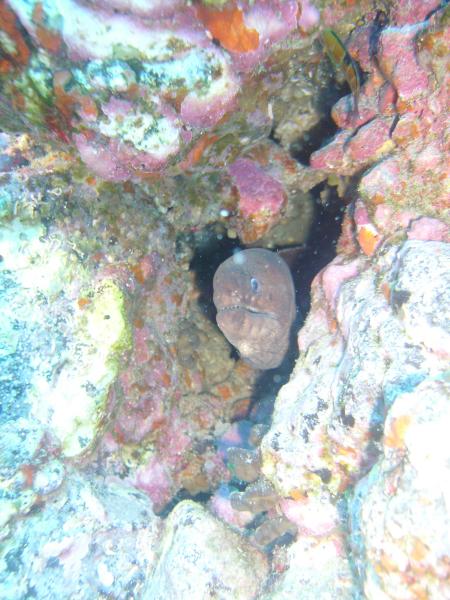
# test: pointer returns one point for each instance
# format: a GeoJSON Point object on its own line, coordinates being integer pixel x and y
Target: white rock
{"type": "Point", "coordinates": [202, 558]}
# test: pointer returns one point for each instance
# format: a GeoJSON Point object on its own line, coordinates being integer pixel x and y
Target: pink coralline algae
{"type": "Point", "coordinates": [400, 125]}
{"type": "Point", "coordinates": [264, 200]}
{"type": "Point", "coordinates": [170, 396]}
{"type": "Point", "coordinates": [429, 229]}
{"type": "Point", "coordinates": [136, 87]}
{"type": "Point", "coordinates": [261, 198]}
{"type": "Point", "coordinates": [399, 129]}
{"type": "Point", "coordinates": [309, 17]}
{"type": "Point", "coordinates": [155, 480]}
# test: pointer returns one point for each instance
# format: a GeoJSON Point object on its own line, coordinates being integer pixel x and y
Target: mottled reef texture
{"type": "Point", "coordinates": [138, 455]}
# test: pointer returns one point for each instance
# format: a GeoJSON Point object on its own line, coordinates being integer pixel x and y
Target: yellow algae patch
{"type": "Point", "coordinates": [75, 399]}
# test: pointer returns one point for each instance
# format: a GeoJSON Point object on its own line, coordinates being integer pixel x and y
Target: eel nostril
{"type": "Point", "coordinates": [254, 284]}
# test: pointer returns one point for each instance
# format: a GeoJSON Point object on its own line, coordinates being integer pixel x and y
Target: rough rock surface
{"type": "Point", "coordinates": [405, 554]}
{"type": "Point", "coordinates": [137, 90]}
{"type": "Point", "coordinates": [106, 355]}
{"type": "Point", "coordinates": [318, 568]}
{"type": "Point", "coordinates": [201, 557]}
{"type": "Point", "coordinates": [369, 394]}
{"type": "Point", "coordinates": [94, 538]}
{"type": "Point", "coordinates": [373, 326]}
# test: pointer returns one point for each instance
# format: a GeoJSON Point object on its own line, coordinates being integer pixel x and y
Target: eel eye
{"type": "Point", "coordinates": [254, 284]}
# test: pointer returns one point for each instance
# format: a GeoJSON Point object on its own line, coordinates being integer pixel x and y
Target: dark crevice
{"type": "Point", "coordinates": [201, 498]}
{"type": "Point", "coordinates": [321, 247]}
{"type": "Point", "coordinates": [325, 129]}
{"type": "Point", "coordinates": [213, 247]}
{"type": "Point", "coordinates": [316, 137]}
{"type": "Point", "coordinates": [318, 252]}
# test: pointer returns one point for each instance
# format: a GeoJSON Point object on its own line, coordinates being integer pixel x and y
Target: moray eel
{"type": "Point", "coordinates": [255, 301]}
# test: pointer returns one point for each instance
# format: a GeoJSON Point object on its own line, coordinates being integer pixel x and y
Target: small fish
{"type": "Point", "coordinates": [341, 59]}
{"type": "Point", "coordinates": [255, 301]}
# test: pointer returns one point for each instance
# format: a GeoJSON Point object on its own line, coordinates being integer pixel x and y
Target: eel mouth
{"type": "Point", "coordinates": [246, 308]}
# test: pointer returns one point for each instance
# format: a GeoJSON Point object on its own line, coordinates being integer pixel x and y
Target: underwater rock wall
{"type": "Point", "coordinates": [137, 89]}
{"type": "Point", "coordinates": [141, 137]}
{"type": "Point", "coordinates": [363, 418]}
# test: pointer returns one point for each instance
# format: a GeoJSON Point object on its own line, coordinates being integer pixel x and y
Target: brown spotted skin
{"type": "Point", "coordinates": [255, 301]}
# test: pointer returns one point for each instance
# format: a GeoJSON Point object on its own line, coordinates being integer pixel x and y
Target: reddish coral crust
{"type": "Point", "coordinates": [9, 27]}
{"type": "Point", "coordinates": [228, 27]}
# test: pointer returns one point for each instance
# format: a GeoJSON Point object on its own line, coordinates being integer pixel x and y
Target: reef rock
{"type": "Point", "coordinates": [367, 404]}
{"type": "Point", "coordinates": [137, 89]}
{"type": "Point", "coordinates": [405, 553]}
{"type": "Point", "coordinates": [400, 126]}
{"type": "Point", "coordinates": [313, 568]}
{"type": "Point", "coordinates": [98, 324]}
{"type": "Point", "coordinates": [201, 557]}
{"type": "Point", "coordinates": [371, 334]}
{"type": "Point", "coordinates": [93, 538]}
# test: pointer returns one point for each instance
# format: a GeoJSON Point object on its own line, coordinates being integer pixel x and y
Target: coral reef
{"type": "Point", "coordinates": [140, 457]}
{"type": "Point", "coordinates": [97, 342]}
{"type": "Point", "coordinates": [95, 537]}
{"type": "Point", "coordinates": [143, 93]}
{"type": "Point", "coordinates": [388, 308]}
{"type": "Point", "coordinates": [136, 89]}
{"type": "Point", "coordinates": [400, 126]}
{"type": "Point", "coordinates": [348, 423]}
{"type": "Point", "coordinates": [373, 332]}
